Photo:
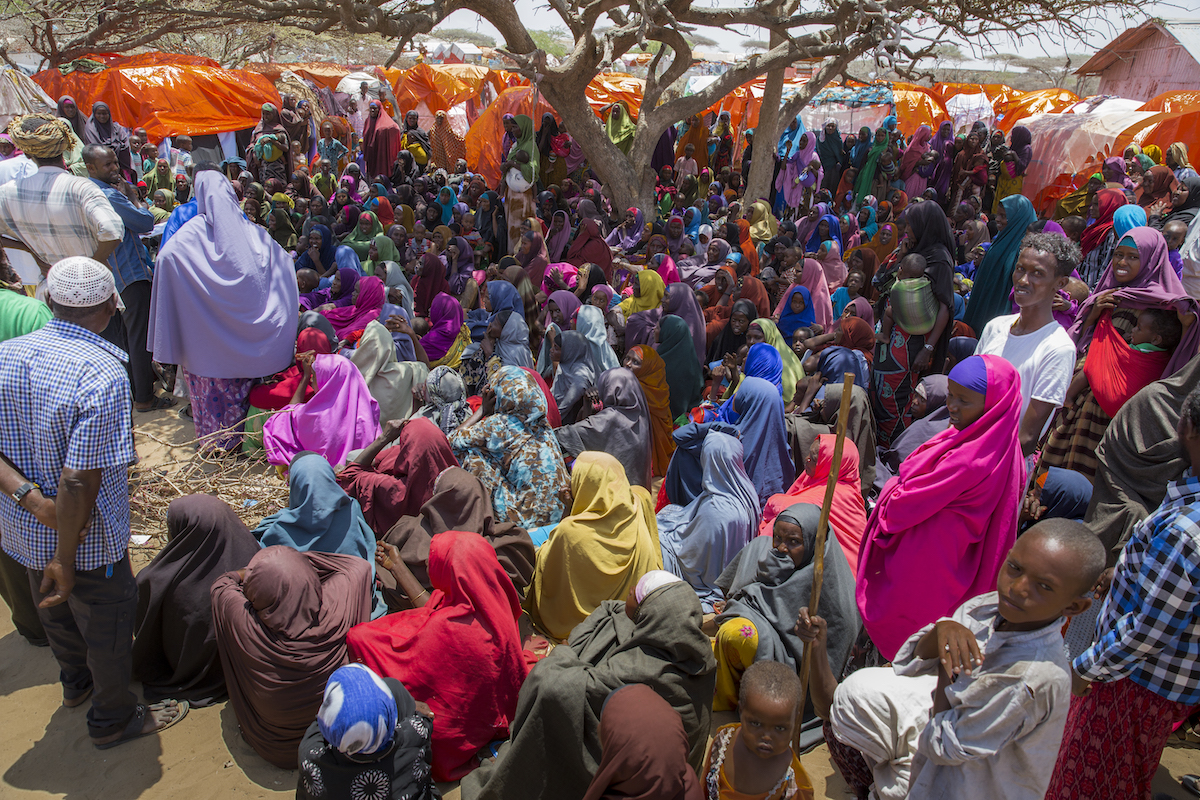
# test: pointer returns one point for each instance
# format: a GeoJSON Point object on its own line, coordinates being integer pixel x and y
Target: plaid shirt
{"type": "Point", "coordinates": [65, 403]}
{"type": "Point", "coordinates": [1149, 627]}
{"type": "Point", "coordinates": [58, 214]}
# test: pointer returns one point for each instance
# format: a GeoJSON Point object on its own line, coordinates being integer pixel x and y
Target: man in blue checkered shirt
{"type": "Point", "coordinates": [67, 436]}
{"type": "Point", "coordinates": [1142, 673]}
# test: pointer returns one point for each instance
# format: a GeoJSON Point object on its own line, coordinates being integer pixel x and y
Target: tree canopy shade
{"type": "Point", "coordinates": [598, 32]}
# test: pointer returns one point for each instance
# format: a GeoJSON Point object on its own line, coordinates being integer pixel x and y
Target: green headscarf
{"type": "Point", "coordinates": [360, 242]}
{"type": "Point", "coordinates": [387, 251]}
{"type": "Point", "coordinates": [620, 128]}
{"type": "Point", "coordinates": [862, 184]}
{"type": "Point", "coordinates": [285, 232]}
{"type": "Point", "coordinates": [527, 142]}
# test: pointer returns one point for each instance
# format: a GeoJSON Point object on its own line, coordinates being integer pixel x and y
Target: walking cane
{"type": "Point", "coordinates": [819, 555]}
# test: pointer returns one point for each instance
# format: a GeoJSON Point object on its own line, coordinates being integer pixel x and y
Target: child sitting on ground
{"type": "Point", "coordinates": [1073, 226]}
{"type": "Point", "coordinates": [753, 759]}
{"type": "Point", "coordinates": [911, 303]}
{"type": "Point", "coordinates": [1158, 331]}
{"type": "Point", "coordinates": [420, 240]}
{"type": "Point", "coordinates": [999, 677]}
{"type": "Point", "coordinates": [845, 295]}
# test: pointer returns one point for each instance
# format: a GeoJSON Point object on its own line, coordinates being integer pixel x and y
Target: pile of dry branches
{"type": "Point", "coordinates": [251, 486]}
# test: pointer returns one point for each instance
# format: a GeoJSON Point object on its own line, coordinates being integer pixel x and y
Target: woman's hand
{"type": "Point", "coordinates": [1158, 208]}
{"type": "Point", "coordinates": [489, 401]}
{"type": "Point", "coordinates": [398, 324]}
{"type": "Point", "coordinates": [386, 555]}
{"type": "Point", "coordinates": [305, 361]}
{"type": "Point", "coordinates": [326, 307]}
{"type": "Point", "coordinates": [921, 361]}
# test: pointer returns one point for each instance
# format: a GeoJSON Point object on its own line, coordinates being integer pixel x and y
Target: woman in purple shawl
{"type": "Point", "coordinates": [939, 177]}
{"type": "Point", "coordinates": [676, 235]}
{"type": "Point", "coordinates": [223, 308]}
{"type": "Point", "coordinates": [341, 416]}
{"type": "Point", "coordinates": [559, 236]}
{"type": "Point", "coordinates": [445, 323]}
{"type": "Point", "coordinates": [795, 177]}
{"type": "Point", "coordinates": [628, 234]}
{"type": "Point", "coordinates": [680, 301]}
{"type": "Point", "coordinates": [460, 263]}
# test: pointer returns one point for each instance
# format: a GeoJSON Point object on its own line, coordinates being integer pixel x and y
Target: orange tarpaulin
{"type": "Point", "coordinates": [484, 137]}
{"type": "Point", "coordinates": [436, 86]}
{"type": "Point", "coordinates": [1172, 101]}
{"type": "Point", "coordinates": [168, 100]}
{"type": "Point", "coordinates": [1164, 129]}
{"type": "Point", "coordinates": [612, 87]}
{"type": "Point", "coordinates": [917, 106]}
{"type": "Point", "coordinates": [152, 59]}
{"type": "Point", "coordinates": [1043, 101]}
{"type": "Point", "coordinates": [996, 92]}
{"type": "Point", "coordinates": [321, 73]}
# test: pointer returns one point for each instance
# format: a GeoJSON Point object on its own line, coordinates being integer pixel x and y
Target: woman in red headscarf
{"type": "Point", "coordinates": [1097, 241]}
{"type": "Point", "coordinates": [589, 247]}
{"type": "Point", "coordinates": [381, 141]}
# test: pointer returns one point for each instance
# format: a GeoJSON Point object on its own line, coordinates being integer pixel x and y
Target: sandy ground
{"type": "Point", "coordinates": [45, 752]}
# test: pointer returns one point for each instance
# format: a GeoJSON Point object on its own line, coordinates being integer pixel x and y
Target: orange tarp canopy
{"type": "Point", "coordinates": [153, 59]}
{"type": "Point", "coordinates": [917, 106]}
{"type": "Point", "coordinates": [321, 73]}
{"type": "Point", "coordinates": [615, 87]}
{"type": "Point", "coordinates": [1172, 101]}
{"type": "Point", "coordinates": [169, 100]}
{"type": "Point", "coordinates": [994, 91]}
{"type": "Point", "coordinates": [438, 87]}
{"type": "Point", "coordinates": [1164, 129]}
{"type": "Point", "coordinates": [485, 136]}
{"type": "Point", "coordinates": [1043, 101]}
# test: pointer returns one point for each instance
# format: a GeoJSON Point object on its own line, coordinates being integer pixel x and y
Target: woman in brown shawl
{"type": "Point", "coordinates": [460, 502]}
{"type": "Point", "coordinates": [589, 247]}
{"type": "Point", "coordinates": [448, 147]}
{"type": "Point", "coordinates": [175, 648]}
{"type": "Point", "coordinates": [271, 146]}
{"type": "Point", "coordinates": [281, 631]}
{"type": "Point", "coordinates": [394, 482]}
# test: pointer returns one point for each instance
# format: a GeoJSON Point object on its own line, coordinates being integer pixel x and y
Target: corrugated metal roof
{"type": "Point", "coordinates": [1184, 31]}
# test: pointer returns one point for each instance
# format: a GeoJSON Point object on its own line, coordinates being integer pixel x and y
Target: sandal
{"type": "Point", "coordinates": [186, 411]}
{"type": "Point", "coordinates": [134, 730]}
{"type": "Point", "coordinates": [158, 404]}
{"type": "Point", "coordinates": [1191, 783]}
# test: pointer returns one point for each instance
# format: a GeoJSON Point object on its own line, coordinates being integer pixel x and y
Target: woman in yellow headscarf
{"type": "Point", "coordinates": [763, 225]}
{"type": "Point", "coordinates": [620, 128]}
{"type": "Point", "coordinates": [792, 369]}
{"type": "Point", "coordinates": [598, 552]}
{"type": "Point", "coordinates": [1155, 152]}
{"type": "Point", "coordinates": [648, 292]}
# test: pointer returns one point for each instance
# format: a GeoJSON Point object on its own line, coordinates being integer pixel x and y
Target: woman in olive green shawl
{"type": "Point", "coordinates": [520, 174]}
{"type": "Point", "coordinates": [281, 228]}
{"type": "Point", "coordinates": [360, 237]}
{"type": "Point", "coordinates": [620, 128]}
{"type": "Point", "coordinates": [382, 249]}
{"type": "Point", "coordinates": [866, 176]}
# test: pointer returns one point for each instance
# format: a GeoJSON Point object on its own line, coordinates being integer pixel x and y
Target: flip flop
{"type": "Point", "coordinates": [158, 404]}
{"type": "Point", "coordinates": [134, 729]}
{"type": "Point", "coordinates": [1191, 783]}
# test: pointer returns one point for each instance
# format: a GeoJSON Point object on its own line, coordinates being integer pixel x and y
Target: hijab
{"type": "Point", "coordinates": [681, 302]}
{"type": "Point", "coordinates": [993, 279]}
{"type": "Point", "coordinates": [756, 408]}
{"type": "Point", "coordinates": [589, 247]}
{"type": "Point", "coordinates": [676, 348]}
{"type": "Point", "coordinates": [790, 320]}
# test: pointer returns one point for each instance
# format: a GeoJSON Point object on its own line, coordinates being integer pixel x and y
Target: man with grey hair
{"type": "Point", "coordinates": [67, 436]}
{"type": "Point", "coordinates": [1032, 340]}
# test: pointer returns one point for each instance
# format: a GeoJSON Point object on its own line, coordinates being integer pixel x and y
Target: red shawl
{"type": "Point", "coordinates": [274, 396]}
{"type": "Point", "coordinates": [460, 652]}
{"type": "Point", "coordinates": [430, 282]}
{"type": "Point", "coordinates": [1115, 371]}
{"type": "Point", "coordinates": [1110, 201]}
{"type": "Point", "coordinates": [402, 477]}
{"type": "Point", "coordinates": [381, 142]}
{"type": "Point", "coordinates": [589, 247]}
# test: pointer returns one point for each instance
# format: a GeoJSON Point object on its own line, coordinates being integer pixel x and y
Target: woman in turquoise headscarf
{"type": "Point", "coordinates": [993, 279]}
{"type": "Point", "coordinates": [620, 128]}
{"type": "Point", "coordinates": [866, 176]}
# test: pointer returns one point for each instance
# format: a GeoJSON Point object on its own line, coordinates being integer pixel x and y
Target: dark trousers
{"type": "Point", "coordinates": [128, 330]}
{"type": "Point", "coordinates": [91, 635]}
{"type": "Point", "coordinates": [14, 588]}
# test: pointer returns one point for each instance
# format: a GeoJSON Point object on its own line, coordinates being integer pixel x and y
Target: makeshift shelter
{"type": "Point", "coordinates": [20, 95]}
{"type": "Point", "coordinates": [1043, 101]}
{"type": "Point", "coordinates": [168, 99]}
{"type": "Point", "coordinates": [1157, 56]}
{"type": "Point", "coordinates": [319, 72]}
{"type": "Point", "coordinates": [614, 87]}
{"type": "Point", "coordinates": [916, 106]}
{"type": "Point", "coordinates": [851, 106]}
{"type": "Point", "coordinates": [483, 140]}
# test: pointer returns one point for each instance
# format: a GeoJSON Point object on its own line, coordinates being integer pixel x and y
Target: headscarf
{"type": "Point", "coordinates": [598, 551]}
{"type": "Point", "coordinates": [589, 321]}
{"type": "Point", "coordinates": [496, 235]}
{"type": "Point", "coordinates": [762, 361]}
{"type": "Point", "coordinates": [1156, 185]}
{"type": "Point", "coordinates": [917, 147]}
{"type": "Point", "coordinates": [80, 120]}
{"type": "Point", "coordinates": [350, 318]}
{"type": "Point", "coordinates": [866, 176]}
{"type": "Point", "coordinates": [726, 340]}
{"type": "Point", "coordinates": [757, 410]}
{"type": "Point", "coordinates": [515, 454]}
{"type": "Point", "coordinates": [1098, 231]}
{"type": "Point", "coordinates": [789, 363]}
{"type": "Point", "coordinates": [1155, 286]}
{"type": "Point", "coordinates": [763, 225]}
{"type": "Point", "coordinates": [993, 279]}
{"type": "Point", "coordinates": [699, 539]}
{"type": "Point", "coordinates": [537, 260]}
{"type": "Point", "coordinates": [446, 146]}
{"type": "Point", "coordinates": [557, 246]}
{"type": "Point", "coordinates": [381, 141]}
{"type": "Point", "coordinates": [619, 128]}
{"type": "Point", "coordinates": [221, 282]}
{"type": "Point", "coordinates": [390, 382]}
{"type": "Point", "coordinates": [358, 714]}
{"type": "Point", "coordinates": [621, 428]}
{"type": "Point", "coordinates": [589, 248]}
{"type": "Point", "coordinates": [174, 647]}
{"type": "Point", "coordinates": [512, 347]}
{"type": "Point", "coordinates": [835, 233]}
{"type": "Point", "coordinates": [281, 632]}
{"type": "Point", "coordinates": [1190, 208]}
{"type": "Point", "coordinates": [645, 749]}
{"type": "Point", "coordinates": [460, 652]}
{"type": "Point", "coordinates": [431, 282]}
{"type": "Point", "coordinates": [567, 303]}
{"type": "Point", "coordinates": [928, 515]}
{"type": "Point", "coordinates": [651, 291]}
{"type": "Point", "coordinates": [445, 399]}
{"type": "Point", "coordinates": [341, 396]}
{"type": "Point", "coordinates": [652, 377]}
{"type": "Point", "coordinates": [108, 134]}
{"type": "Point", "coordinates": [676, 348]}
{"type": "Point", "coordinates": [681, 302]}
{"type": "Point", "coordinates": [790, 320]}
{"type": "Point", "coordinates": [526, 141]}
{"type": "Point", "coordinates": [847, 515]}
{"type": "Point", "coordinates": [1126, 218]}
{"type": "Point", "coordinates": [620, 239]}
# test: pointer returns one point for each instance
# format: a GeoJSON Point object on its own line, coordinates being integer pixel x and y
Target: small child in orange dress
{"type": "Point", "coordinates": [753, 759]}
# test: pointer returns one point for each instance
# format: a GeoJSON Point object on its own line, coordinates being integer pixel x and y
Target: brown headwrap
{"type": "Point", "coordinates": [42, 135]}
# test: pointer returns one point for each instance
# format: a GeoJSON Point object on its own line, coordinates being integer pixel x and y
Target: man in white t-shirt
{"type": "Point", "coordinates": [1032, 341]}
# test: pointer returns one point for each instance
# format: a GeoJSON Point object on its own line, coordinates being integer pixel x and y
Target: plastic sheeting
{"type": "Point", "coordinates": [917, 106]}
{"type": "Point", "coordinates": [964, 109]}
{"type": "Point", "coordinates": [152, 59]}
{"type": "Point", "coordinates": [485, 136]}
{"type": "Point", "coordinates": [169, 99]}
{"type": "Point", "coordinates": [1163, 129]}
{"type": "Point", "coordinates": [1172, 101]}
{"type": "Point", "coordinates": [20, 95]}
{"type": "Point", "coordinates": [319, 72]}
{"type": "Point", "coordinates": [615, 87]}
{"type": "Point", "coordinates": [1044, 101]}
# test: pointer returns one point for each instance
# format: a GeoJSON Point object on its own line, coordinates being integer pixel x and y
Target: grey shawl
{"type": "Point", "coordinates": [622, 429]}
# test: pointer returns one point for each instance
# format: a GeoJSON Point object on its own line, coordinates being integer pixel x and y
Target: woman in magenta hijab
{"type": "Point", "coordinates": [931, 522]}
{"type": "Point", "coordinates": [368, 298]}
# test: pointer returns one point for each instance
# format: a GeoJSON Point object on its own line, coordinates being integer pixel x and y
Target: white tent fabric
{"type": "Point", "coordinates": [1061, 142]}
{"type": "Point", "coordinates": [20, 95]}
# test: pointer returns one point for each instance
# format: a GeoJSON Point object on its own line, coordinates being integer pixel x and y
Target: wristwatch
{"type": "Point", "coordinates": [22, 490]}
{"type": "Point", "coordinates": [928, 347]}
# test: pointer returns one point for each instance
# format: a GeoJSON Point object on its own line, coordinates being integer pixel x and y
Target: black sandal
{"type": "Point", "coordinates": [134, 729]}
{"type": "Point", "coordinates": [158, 404]}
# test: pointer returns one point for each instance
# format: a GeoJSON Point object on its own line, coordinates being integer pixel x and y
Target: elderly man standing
{"type": "Point", "coordinates": [130, 264]}
{"type": "Point", "coordinates": [67, 438]}
{"type": "Point", "coordinates": [52, 213]}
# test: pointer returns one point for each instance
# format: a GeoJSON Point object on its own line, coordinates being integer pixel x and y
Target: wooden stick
{"type": "Point", "coordinates": [822, 534]}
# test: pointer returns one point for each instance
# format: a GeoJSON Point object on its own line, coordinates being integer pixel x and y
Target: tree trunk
{"type": "Point", "coordinates": [762, 165]}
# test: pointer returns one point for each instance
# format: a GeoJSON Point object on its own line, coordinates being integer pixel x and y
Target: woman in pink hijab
{"type": "Point", "coordinates": [801, 172]}
{"type": "Point", "coordinates": [936, 538]}
{"type": "Point", "coordinates": [368, 298]}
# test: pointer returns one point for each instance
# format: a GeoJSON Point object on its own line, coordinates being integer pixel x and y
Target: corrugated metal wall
{"type": "Point", "coordinates": [1157, 64]}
